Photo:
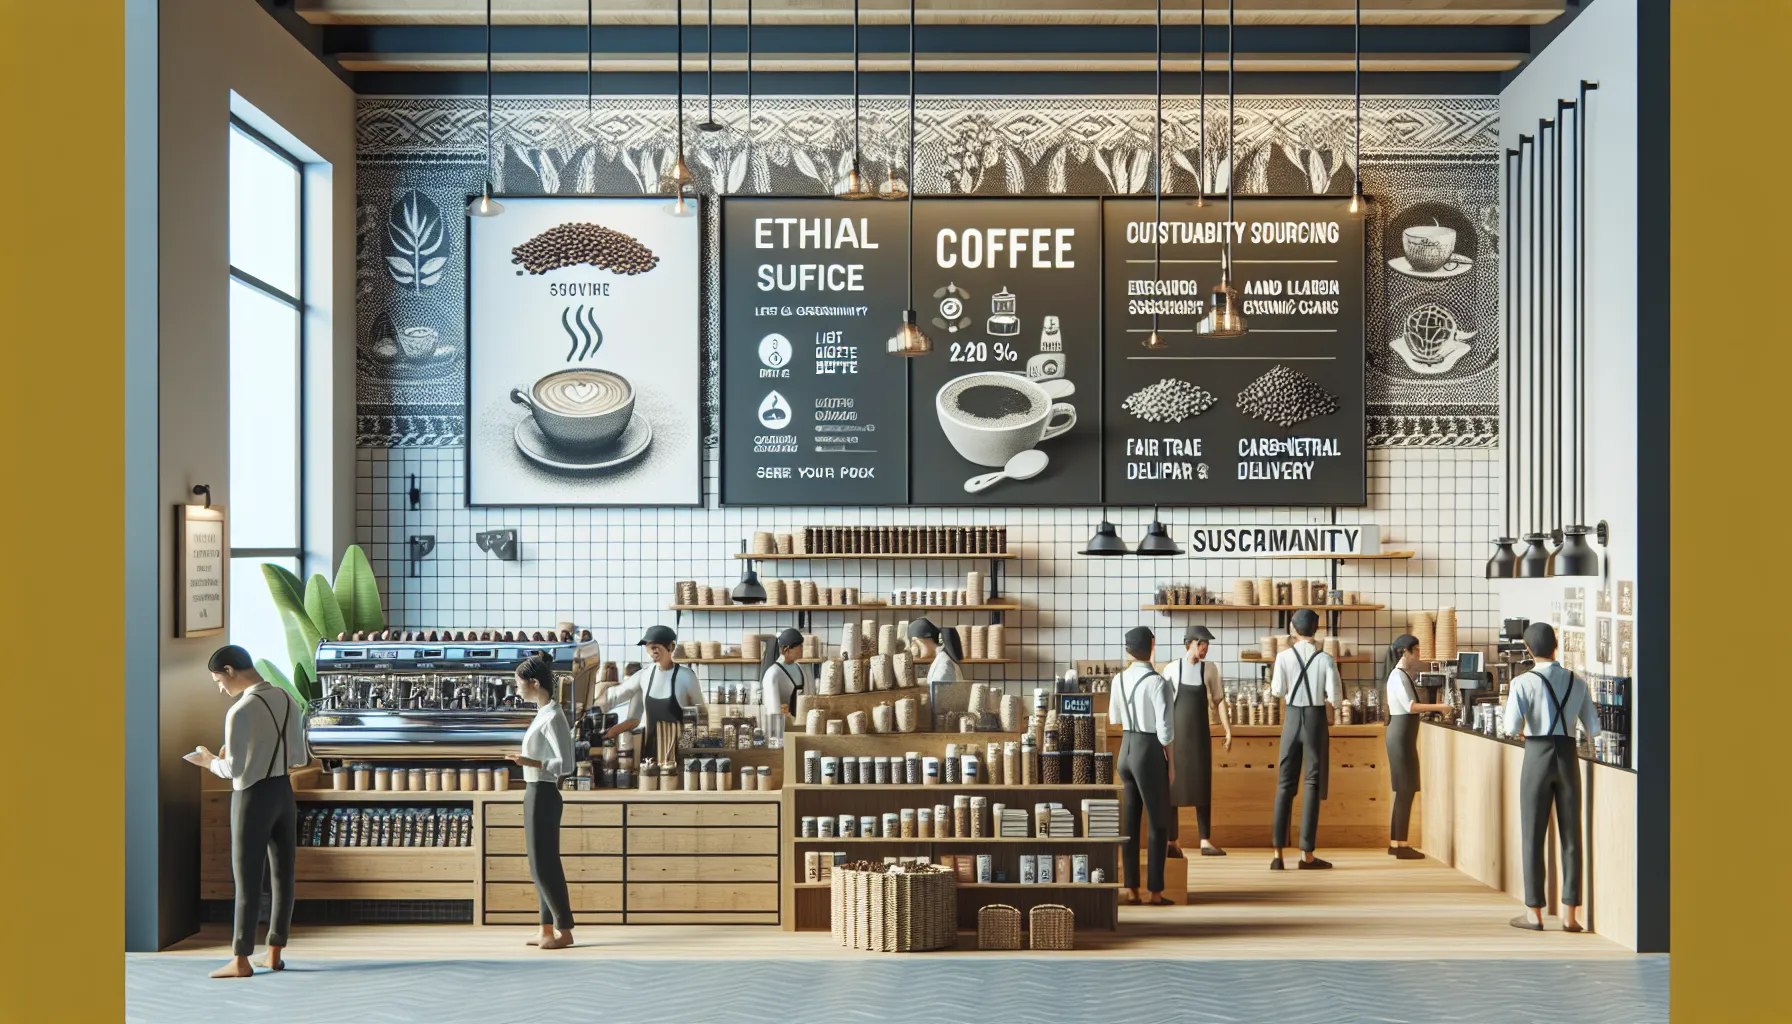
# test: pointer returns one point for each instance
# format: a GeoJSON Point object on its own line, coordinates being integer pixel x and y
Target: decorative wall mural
{"type": "Point", "coordinates": [1430, 164]}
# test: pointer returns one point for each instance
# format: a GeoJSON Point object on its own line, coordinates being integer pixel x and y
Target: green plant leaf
{"type": "Point", "coordinates": [288, 590]}
{"type": "Point", "coordinates": [306, 684]}
{"type": "Point", "coordinates": [320, 604]}
{"type": "Point", "coordinates": [358, 592]}
{"type": "Point", "coordinates": [272, 674]}
{"type": "Point", "coordinates": [301, 642]}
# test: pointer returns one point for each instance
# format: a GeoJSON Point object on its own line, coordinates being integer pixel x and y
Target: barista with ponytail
{"type": "Point", "coordinates": [1403, 739]}
{"type": "Point", "coordinates": [546, 757]}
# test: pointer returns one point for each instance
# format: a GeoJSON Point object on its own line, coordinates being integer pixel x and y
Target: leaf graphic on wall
{"type": "Point", "coordinates": [415, 231]}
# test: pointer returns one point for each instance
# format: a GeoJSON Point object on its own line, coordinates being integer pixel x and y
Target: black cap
{"type": "Point", "coordinates": [1196, 633]}
{"type": "Point", "coordinates": [790, 638]}
{"type": "Point", "coordinates": [665, 636]}
{"type": "Point", "coordinates": [1404, 642]}
{"type": "Point", "coordinates": [1139, 640]}
{"type": "Point", "coordinates": [1540, 637]}
{"type": "Point", "coordinates": [1306, 622]}
{"type": "Point", "coordinates": [923, 629]}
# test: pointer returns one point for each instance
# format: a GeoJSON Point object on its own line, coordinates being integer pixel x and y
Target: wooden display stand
{"type": "Point", "coordinates": [806, 904]}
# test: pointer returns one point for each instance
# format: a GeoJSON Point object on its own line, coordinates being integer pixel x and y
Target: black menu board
{"type": "Point", "coordinates": [1274, 417]}
{"type": "Point", "coordinates": [1010, 292]}
{"type": "Point", "coordinates": [814, 412]}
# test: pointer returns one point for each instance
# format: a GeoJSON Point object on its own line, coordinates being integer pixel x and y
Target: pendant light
{"type": "Point", "coordinates": [1157, 542]}
{"type": "Point", "coordinates": [1357, 201]}
{"type": "Point", "coordinates": [1504, 563]}
{"type": "Point", "coordinates": [1106, 541]}
{"type": "Point", "coordinates": [854, 186]}
{"type": "Point", "coordinates": [709, 69]}
{"type": "Point", "coordinates": [1201, 151]}
{"type": "Point", "coordinates": [1154, 342]}
{"type": "Point", "coordinates": [1577, 557]}
{"type": "Point", "coordinates": [909, 340]}
{"type": "Point", "coordinates": [485, 205]}
{"type": "Point", "coordinates": [1534, 563]}
{"type": "Point", "coordinates": [749, 590]}
{"type": "Point", "coordinates": [590, 60]}
{"type": "Point", "coordinates": [680, 177]}
{"type": "Point", "coordinates": [1225, 316]}
{"type": "Point", "coordinates": [1555, 333]}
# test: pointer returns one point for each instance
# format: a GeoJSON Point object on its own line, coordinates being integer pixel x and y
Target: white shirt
{"type": "Point", "coordinates": [629, 709]}
{"type": "Point", "coordinates": [1401, 693]}
{"type": "Point", "coordinates": [1139, 700]}
{"type": "Point", "coordinates": [252, 737]}
{"type": "Point", "coordinates": [680, 683]}
{"type": "Point", "coordinates": [1322, 677]}
{"type": "Point", "coordinates": [1529, 705]}
{"type": "Point", "coordinates": [1182, 672]}
{"type": "Point", "coordinates": [548, 740]}
{"type": "Point", "coordinates": [778, 688]}
{"type": "Point", "coordinates": [944, 669]}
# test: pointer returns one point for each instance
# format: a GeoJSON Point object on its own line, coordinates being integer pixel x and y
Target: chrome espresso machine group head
{"type": "Point", "coordinates": [438, 695]}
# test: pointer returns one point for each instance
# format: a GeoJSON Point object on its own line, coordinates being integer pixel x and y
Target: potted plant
{"type": "Point", "coordinates": [317, 610]}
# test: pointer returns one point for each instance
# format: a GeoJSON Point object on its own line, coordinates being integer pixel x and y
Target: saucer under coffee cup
{"type": "Point", "coordinates": [580, 407]}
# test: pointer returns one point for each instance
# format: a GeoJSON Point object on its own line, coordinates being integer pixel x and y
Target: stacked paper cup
{"type": "Point", "coordinates": [1423, 626]}
{"type": "Point", "coordinates": [883, 672]}
{"type": "Point", "coordinates": [886, 639]}
{"type": "Point", "coordinates": [764, 543]}
{"type": "Point", "coordinates": [1446, 634]}
{"type": "Point", "coordinates": [973, 587]}
{"type": "Point", "coordinates": [849, 640]}
{"type": "Point", "coordinates": [979, 643]}
{"type": "Point", "coordinates": [1268, 646]}
{"type": "Point", "coordinates": [1266, 590]}
{"type": "Point", "coordinates": [853, 671]}
{"type": "Point", "coordinates": [904, 666]}
{"type": "Point", "coordinates": [998, 644]}
{"type": "Point", "coordinates": [828, 684]}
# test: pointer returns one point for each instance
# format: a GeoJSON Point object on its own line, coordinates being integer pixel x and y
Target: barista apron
{"type": "Point", "coordinates": [1403, 746]}
{"type": "Point", "coordinates": [1550, 776]}
{"type": "Point", "coordinates": [665, 716]}
{"type": "Point", "coordinates": [796, 682]}
{"type": "Point", "coordinates": [1306, 725]}
{"type": "Point", "coordinates": [1193, 784]}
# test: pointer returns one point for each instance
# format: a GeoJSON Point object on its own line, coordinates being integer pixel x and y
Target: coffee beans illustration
{"type": "Point", "coordinates": [1168, 401]}
{"type": "Point", "coordinates": [1286, 397]}
{"type": "Point", "coordinates": [567, 245]}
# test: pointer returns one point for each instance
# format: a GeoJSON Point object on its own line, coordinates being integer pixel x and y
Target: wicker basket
{"type": "Point", "coordinates": [998, 927]}
{"type": "Point", "coordinates": [894, 911]}
{"type": "Point", "coordinates": [1050, 926]}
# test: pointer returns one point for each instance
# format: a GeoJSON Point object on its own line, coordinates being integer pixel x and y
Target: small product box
{"type": "Point", "coordinates": [1028, 868]}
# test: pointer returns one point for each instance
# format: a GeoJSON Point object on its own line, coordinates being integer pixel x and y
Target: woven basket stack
{"type": "Point", "coordinates": [894, 909]}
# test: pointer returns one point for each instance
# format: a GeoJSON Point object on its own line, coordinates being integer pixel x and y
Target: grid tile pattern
{"type": "Point", "coordinates": [612, 570]}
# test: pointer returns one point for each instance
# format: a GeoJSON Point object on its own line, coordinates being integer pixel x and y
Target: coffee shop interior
{"type": "Point", "coordinates": [873, 371]}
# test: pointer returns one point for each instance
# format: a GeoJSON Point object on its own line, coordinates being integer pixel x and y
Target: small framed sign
{"type": "Point", "coordinates": [201, 570]}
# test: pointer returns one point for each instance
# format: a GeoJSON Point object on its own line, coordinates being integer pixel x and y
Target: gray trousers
{"type": "Point", "coordinates": [264, 839]}
{"type": "Point", "coordinates": [1304, 734]}
{"type": "Point", "coordinates": [1145, 780]}
{"type": "Point", "coordinates": [1549, 779]}
{"type": "Point", "coordinates": [1402, 819]}
{"type": "Point", "coordinates": [541, 837]}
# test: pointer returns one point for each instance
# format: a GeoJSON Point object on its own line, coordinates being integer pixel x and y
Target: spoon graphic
{"type": "Point", "coordinates": [1024, 466]}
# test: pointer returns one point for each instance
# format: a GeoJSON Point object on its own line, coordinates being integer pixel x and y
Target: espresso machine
{"type": "Point", "coordinates": [437, 698]}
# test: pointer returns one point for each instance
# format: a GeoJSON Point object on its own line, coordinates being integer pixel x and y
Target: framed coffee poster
{"type": "Point", "coordinates": [1007, 408]}
{"type": "Point", "coordinates": [584, 359]}
{"type": "Point", "coordinates": [201, 576]}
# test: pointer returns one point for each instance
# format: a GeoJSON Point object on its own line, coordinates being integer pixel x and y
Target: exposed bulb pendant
{"type": "Point", "coordinates": [1577, 557]}
{"type": "Point", "coordinates": [1154, 342]}
{"type": "Point", "coordinates": [854, 186]}
{"type": "Point", "coordinates": [485, 205]}
{"type": "Point", "coordinates": [909, 340]}
{"type": "Point", "coordinates": [1358, 202]}
{"type": "Point", "coordinates": [679, 177]}
{"type": "Point", "coordinates": [1225, 307]}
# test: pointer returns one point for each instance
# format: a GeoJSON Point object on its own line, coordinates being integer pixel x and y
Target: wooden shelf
{"type": "Point", "coordinates": [995, 885]}
{"type": "Point", "coordinates": [1257, 658]}
{"type": "Point", "coordinates": [1382, 557]}
{"type": "Point", "coordinates": [843, 607]}
{"type": "Point", "coordinates": [901, 787]}
{"type": "Point", "coordinates": [817, 661]}
{"type": "Point", "coordinates": [969, 840]}
{"type": "Point", "coordinates": [954, 557]}
{"type": "Point", "coordinates": [1261, 607]}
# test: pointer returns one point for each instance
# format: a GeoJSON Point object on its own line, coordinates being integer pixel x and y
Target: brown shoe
{"type": "Point", "coordinates": [1526, 922]}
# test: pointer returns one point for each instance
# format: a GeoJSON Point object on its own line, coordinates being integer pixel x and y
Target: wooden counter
{"type": "Point", "coordinates": [631, 856]}
{"type": "Point", "coordinates": [1470, 800]}
{"type": "Point", "coordinates": [1244, 790]}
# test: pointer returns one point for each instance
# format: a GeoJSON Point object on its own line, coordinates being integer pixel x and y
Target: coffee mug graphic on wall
{"type": "Point", "coordinates": [1429, 247]}
{"type": "Point", "coordinates": [992, 416]}
{"type": "Point", "coordinates": [579, 408]}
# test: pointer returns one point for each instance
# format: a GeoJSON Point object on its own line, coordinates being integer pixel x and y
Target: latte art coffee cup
{"type": "Point", "coordinates": [990, 417]}
{"type": "Point", "coordinates": [579, 407]}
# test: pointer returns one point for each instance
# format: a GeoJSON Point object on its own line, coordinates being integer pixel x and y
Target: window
{"type": "Point", "coordinates": [266, 357]}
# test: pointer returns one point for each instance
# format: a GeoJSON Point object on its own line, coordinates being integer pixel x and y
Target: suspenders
{"type": "Point", "coordinates": [275, 756]}
{"type": "Point", "coordinates": [1132, 711]}
{"type": "Point", "coordinates": [1558, 714]}
{"type": "Point", "coordinates": [1303, 685]}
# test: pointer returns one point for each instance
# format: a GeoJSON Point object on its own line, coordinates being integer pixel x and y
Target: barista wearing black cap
{"type": "Point", "coordinates": [1197, 687]}
{"type": "Point", "coordinates": [1306, 679]}
{"type": "Point", "coordinates": [1546, 702]}
{"type": "Point", "coordinates": [1403, 739]}
{"type": "Point", "coordinates": [665, 689]}
{"type": "Point", "coordinates": [784, 675]}
{"type": "Point", "coordinates": [1139, 701]}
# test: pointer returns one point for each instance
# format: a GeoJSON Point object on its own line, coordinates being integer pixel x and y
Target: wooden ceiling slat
{"type": "Point", "coordinates": [933, 12]}
{"type": "Point", "coordinates": [938, 63]}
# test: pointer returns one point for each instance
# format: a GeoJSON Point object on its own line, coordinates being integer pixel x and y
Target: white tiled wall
{"type": "Point", "coordinates": [612, 569]}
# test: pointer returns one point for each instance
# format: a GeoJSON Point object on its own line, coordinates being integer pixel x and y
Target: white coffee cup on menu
{"type": "Point", "coordinates": [579, 407]}
{"type": "Point", "coordinates": [991, 416]}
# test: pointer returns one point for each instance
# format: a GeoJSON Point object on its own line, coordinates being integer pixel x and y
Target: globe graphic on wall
{"type": "Point", "coordinates": [1427, 329]}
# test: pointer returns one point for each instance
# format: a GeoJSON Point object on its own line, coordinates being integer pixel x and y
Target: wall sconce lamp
{"type": "Point", "coordinates": [500, 544]}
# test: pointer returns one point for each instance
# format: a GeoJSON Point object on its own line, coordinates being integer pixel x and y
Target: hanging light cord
{"type": "Point", "coordinates": [1511, 228]}
{"type": "Point", "coordinates": [914, 181]}
{"type": "Point", "coordinates": [679, 72]}
{"type": "Point", "coordinates": [749, 75]}
{"type": "Point", "coordinates": [1580, 304]}
{"type": "Point", "coordinates": [590, 57]}
{"type": "Point", "coordinates": [488, 96]}
{"type": "Point", "coordinates": [1537, 256]}
{"type": "Point", "coordinates": [1157, 163]}
{"type": "Point", "coordinates": [855, 86]}
{"type": "Point", "coordinates": [1201, 160]}
{"type": "Point", "coordinates": [1555, 301]}
{"type": "Point", "coordinates": [709, 60]}
{"type": "Point", "coordinates": [1357, 168]}
{"type": "Point", "coordinates": [1231, 122]}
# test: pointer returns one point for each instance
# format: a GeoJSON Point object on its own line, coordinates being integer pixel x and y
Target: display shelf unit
{"type": "Point", "coordinates": [807, 904]}
{"type": "Point", "coordinates": [1382, 556]}
{"type": "Point", "coordinates": [817, 661]}
{"type": "Point", "coordinates": [955, 557]}
{"type": "Point", "coordinates": [681, 608]}
{"type": "Point", "coordinates": [1261, 607]}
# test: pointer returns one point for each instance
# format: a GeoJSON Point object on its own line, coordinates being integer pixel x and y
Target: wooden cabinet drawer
{"type": "Point", "coordinates": [584, 896]}
{"type": "Point", "coordinates": [703, 840]}
{"type": "Point", "coordinates": [694, 814]}
{"type": "Point", "coordinates": [578, 869]}
{"type": "Point", "coordinates": [571, 814]}
{"type": "Point", "coordinates": [709, 896]}
{"type": "Point", "coordinates": [362, 864]}
{"type": "Point", "coordinates": [532, 918]}
{"type": "Point", "coordinates": [702, 869]}
{"type": "Point", "coordinates": [573, 841]}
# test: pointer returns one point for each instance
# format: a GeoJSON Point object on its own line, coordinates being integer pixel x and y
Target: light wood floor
{"type": "Point", "coordinates": [1370, 907]}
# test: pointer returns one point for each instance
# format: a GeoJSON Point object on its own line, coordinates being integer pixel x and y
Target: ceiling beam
{"type": "Point", "coordinates": [932, 12]}
{"type": "Point", "coordinates": [635, 63]}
